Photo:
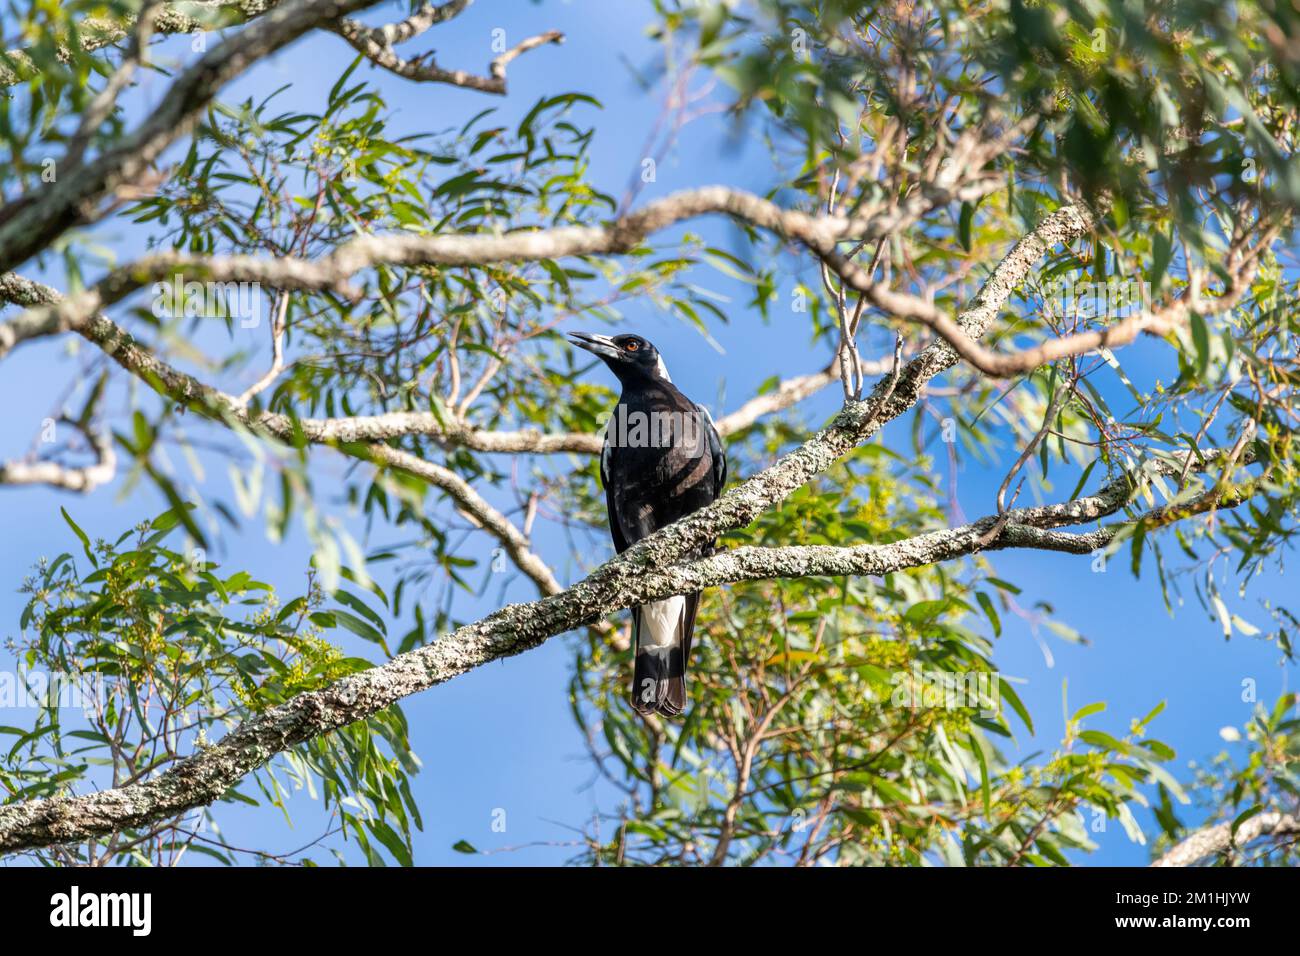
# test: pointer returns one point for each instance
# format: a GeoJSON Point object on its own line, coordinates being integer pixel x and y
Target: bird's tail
{"type": "Point", "coordinates": [661, 634]}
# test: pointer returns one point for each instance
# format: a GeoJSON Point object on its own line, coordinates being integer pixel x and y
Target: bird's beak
{"type": "Point", "coordinates": [600, 345]}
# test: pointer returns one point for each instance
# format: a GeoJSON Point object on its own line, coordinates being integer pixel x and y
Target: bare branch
{"type": "Point", "coordinates": [423, 69]}
{"type": "Point", "coordinates": [334, 271]}
{"type": "Point", "coordinates": [84, 478]}
{"type": "Point", "coordinates": [376, 45]}
{"type": "Point", "coordinates": [277, 353]}
{"type": "Point", "coordinates": [789, 392]}
{"type": "Point", "coordinates": [476, 507]}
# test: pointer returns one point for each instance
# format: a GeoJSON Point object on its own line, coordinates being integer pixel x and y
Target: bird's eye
{"type": "Point", "coordinates": [632, 346]}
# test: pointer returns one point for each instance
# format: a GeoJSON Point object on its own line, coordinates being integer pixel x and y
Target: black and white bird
{"type": "Point", "coordinates": [662, 459]}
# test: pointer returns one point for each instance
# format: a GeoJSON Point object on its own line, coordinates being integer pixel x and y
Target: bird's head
{"type": "Point", "coordinates": [630, 357]}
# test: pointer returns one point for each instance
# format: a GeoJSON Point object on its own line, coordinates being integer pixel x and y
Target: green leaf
{"type": "Point", "coordinates": [1009, 693]}
{"type": "Point", "coordinates": [1201, 342]}
{"type": "Point", "coordinates": [85, 541]}
{"type": "Point", "coordinates": [1243, 817]}
{"type": "Point", "coordinates": [990, 612]}
{"type": "Point", "coordinates": [1088, 711]}
{"type": "Point", "coordinates": [985, 788]}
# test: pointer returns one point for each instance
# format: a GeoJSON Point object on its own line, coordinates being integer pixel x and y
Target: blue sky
{"type": "Point", "coordinates": [501, 738]}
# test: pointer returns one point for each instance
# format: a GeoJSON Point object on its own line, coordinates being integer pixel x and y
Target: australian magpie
{"type": "Point", "coordinates": [662, 459]}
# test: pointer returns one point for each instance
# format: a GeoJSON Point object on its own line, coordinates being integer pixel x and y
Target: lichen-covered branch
{"type": "Point", "coordinates": [649, 570]}
{"type": "Point", "coordinates": [1220, 838]}
{"type": "Point", "coordinates": [635, 577]}
{"type": "Point", "coordinates": [96, 33]}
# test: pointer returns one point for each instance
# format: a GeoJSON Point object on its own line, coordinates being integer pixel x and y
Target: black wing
{"type": "Point", "coordinates": [716, 452]}
{"type": "Point", "coordinates": [611, 506]}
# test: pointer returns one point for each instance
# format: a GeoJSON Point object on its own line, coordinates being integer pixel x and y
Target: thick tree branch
{"type": "Point", "coordinates": [649, 570]}
{"type": "Point", "coordinates": [1220, 838]}
{"type": "Point", "coordinates": [628, 579]}
{"type": "Point", "coordinates": [335, 271]}
{"type": "Point", "coordinates": [95, 33]}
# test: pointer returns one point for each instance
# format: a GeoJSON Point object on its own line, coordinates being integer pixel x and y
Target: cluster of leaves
{"type": "Point", "coordinates": [45, 48]}
{"type": "Point", "coordinates": [1122, 80]}
{"type": "Point", "coordinates": [161, 655]}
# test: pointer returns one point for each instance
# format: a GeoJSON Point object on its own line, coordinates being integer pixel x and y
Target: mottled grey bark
{"type": "Point", "coordinates": [1219, 838]}
{"type": "Point", "coordinates": [95, 33]}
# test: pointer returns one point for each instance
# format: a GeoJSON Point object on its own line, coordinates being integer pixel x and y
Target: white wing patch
{"type": "Point", "coordinates": [662, 621]}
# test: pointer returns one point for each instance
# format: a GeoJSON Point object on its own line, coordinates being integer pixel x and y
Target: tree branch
{"type": "Point", "coordinates": [334, 271]}
{"type": "Point", "coordinates": [84, 479]}
{"type": "Point", "coordinates": [1160, 321]}
{"type": "Point", "coordinates": [376, 45]}
{"type": "Point", "coordinates": [649, 570]}
{"type": "Point", "coordinates": [447, 430]}
{"type": "Point", "coordinates": [1220, 838]}
{"type": "Point", "coordinates": [423, 19]}
{"type": "Point", "coordinates": [43, 216]}
{"type": "Point", "coordinates": [631, 578]}
{"type": "Point", "coordinates": [95, 33]}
